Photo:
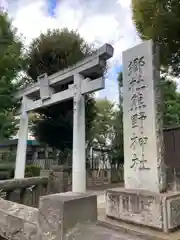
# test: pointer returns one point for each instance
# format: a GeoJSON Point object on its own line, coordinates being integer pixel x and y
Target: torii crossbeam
{"type": "Point", "coordinates": [83, 78]}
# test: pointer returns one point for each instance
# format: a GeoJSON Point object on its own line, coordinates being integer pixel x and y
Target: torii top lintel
{"type": "Point", "coordinates": [47, 87]}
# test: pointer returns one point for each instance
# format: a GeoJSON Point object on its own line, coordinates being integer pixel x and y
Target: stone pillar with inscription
{"type": "Point", "coordinates": [143, 132]}
{"type": "Point", "coordinates": [144, 199]}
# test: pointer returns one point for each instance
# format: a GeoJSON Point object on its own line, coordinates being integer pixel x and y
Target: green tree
{"type": "Point", "coordinates": [108, 130]}
{"type": "Point", "coordinates": [160, 20]}
{"type": "Point", "coordinates": [120, 79]}
{"type": "Point", "coordinates": [171, 100]}
{"type": "Point", "coordinates": [103, 123]}
{"type": "Point", "coordinates": [102, 132]}
{"type": "Point", "coordinates": [117, 144]}
{"type": "Point", "coordinates": [120, 85]}
{"type": "Point", "coordinates": [10, 65]}
{"type": "Point", "coordinates": [49, 53]}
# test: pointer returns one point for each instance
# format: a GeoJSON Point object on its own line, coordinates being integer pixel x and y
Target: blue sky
{"type": "Point", "coordinates": [98, 22]}
{"type": "Point", "coordinates": [52, 4]}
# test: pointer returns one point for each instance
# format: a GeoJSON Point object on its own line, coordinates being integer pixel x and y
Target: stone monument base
{"type": "Point", "coordinates": [159, 211]}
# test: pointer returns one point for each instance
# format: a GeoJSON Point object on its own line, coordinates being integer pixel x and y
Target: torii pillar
{"type": "Point", "coordinates": [22, 142]}
{"type": "Point", "coordinates": [79, 153]}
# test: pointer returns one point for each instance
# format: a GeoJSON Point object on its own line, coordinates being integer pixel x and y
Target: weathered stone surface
{"type": "Point", "coordinates": [50, 216]}
{"type": "Point", "coordinates": [173, 211]}
{"type": "Point", "coordinates": [17, 221]}
{"type": "Point", "coordinates": [59, 212]}
{"type": "Point", "coordinates": [95, 232]}
{"type": "Point", "coordinates": [45, 92]}
{"type": "Point", "coordinates": [159, 211]}
{"type": "Point", "coordinates": [142, 119]}
{"type": "Point", "coordinates": [12, 184]}
{"type": "Point", "coordinates": [134, 206]}
{"type": "Point", "coordinates": [56, 215]}
{"type": "Point", "coordinates": [19, 210]}
{"type": "Point", "coordinates": [67, 216]}
{"type": "Point", "coordinates": [60, 181]}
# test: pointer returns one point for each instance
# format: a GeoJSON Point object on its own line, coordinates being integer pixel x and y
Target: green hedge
{"type": "Point", "coordinates": [32, 171]}
{"type": "Point", "coordinates": [7, 171]}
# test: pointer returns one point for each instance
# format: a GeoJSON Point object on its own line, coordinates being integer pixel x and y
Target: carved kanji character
{"type": "Point", "coordinates": [135, 161]}
{"type": "Point", "coordinates": [140, 98]}
{"type": "Point", "coordinates": [134, 120]}
{"type": "Point", "coordinates": [134, 140]}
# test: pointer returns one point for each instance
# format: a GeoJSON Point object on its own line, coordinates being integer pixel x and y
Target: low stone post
{"type": "Point", "coordinates": [109, 176]}
{"type": "Point", "coordinates": [60, 214]}
{"type": "Point", "coordinates": [114, 175]}
{"type": "Point", "coordinates": [60, 179]}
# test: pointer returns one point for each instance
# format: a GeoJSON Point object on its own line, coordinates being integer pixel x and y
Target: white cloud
{"type": "Point", "coordinates": [31, 20]}
{"type": "Point", "coordinates": [3, 4]}
{"type": "Point", "coordinates": [97, 21]}
{"type": "Point", "coordinates": [99, 28]}
{"type": "Point", "coordinates": [124, 3]}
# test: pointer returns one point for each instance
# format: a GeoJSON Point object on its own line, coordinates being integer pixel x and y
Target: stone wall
{"type": "Point", "coordinates": [131, 207]}
{"type": "Point", "coordinates": [160, 211]}
{"type": "Point", "coordinates": [64, 216]}
{"type": "Point", "coordinates": [25, 191]}
{"type": "Point", "coordinates": [56, 217]}
{"type": "Point", "coordinates": [28, 190]}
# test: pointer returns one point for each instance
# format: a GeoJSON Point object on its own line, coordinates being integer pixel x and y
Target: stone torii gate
{"type": "Point", "coordinates": [83, 78]}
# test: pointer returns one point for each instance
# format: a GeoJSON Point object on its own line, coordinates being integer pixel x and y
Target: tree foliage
{"type": "Point", "coordinates": [10, 65]}
{"type": "Point", "coordinates": [117, 141]}
{"type": "Point", "coordinates": [54, 51]}
{"type": "Point", "coordinates": [171, 102]}
{"type": "Point", "coordinates": [120, 85]}
{"type": "Point", "coordinates": [160, 20]}
{"type": "Point", "coordinates": [108, 130]}
{"type": "Point", "coordinates": [120, 79]}
{"type": "Point", "coordinates": [103, 123]}
{"type": "Point", "coordinates": [49, 53]}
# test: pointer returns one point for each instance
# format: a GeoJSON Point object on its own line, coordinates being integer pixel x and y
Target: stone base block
{"type": "Point", "coordinates": [60, 213]}
{"type": "Point", "coordinates": [160, 211]}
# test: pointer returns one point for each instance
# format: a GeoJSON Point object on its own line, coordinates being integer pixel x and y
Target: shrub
{"type": "Point", "coordinates": [7, 171]}
{"type": "Point", "coordinates": [32, 171]}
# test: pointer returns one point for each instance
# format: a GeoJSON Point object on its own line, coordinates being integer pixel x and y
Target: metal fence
{"type": "Point", "coordinates": [44, 164]}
